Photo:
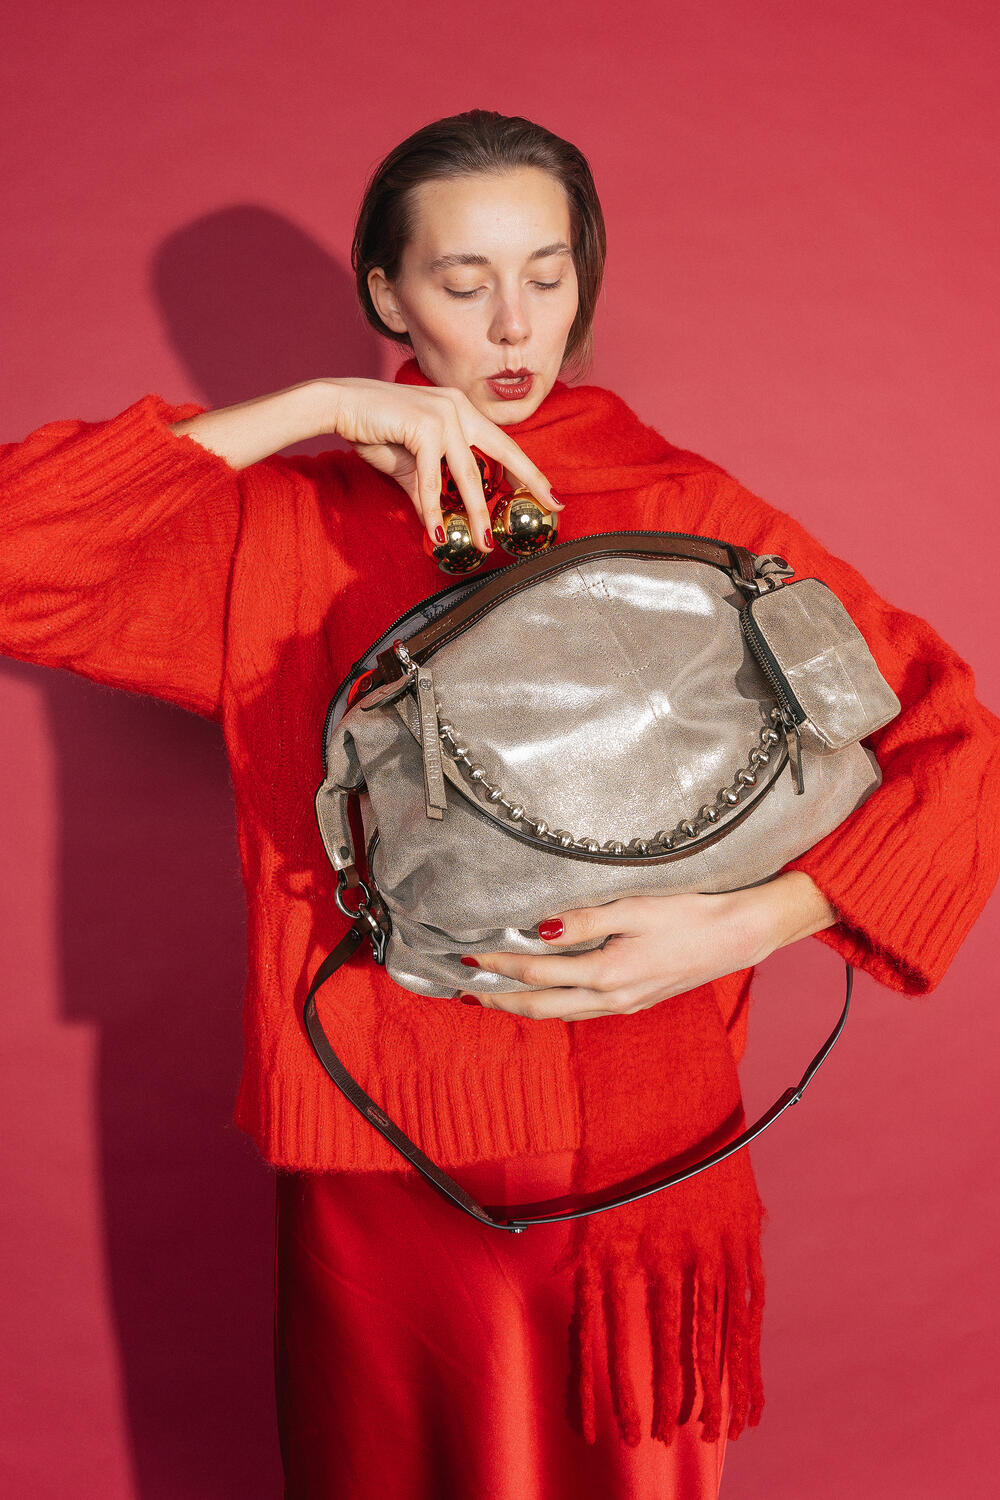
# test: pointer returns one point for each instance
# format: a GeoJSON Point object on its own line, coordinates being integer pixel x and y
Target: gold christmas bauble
{"type": "Point", "coordinates": [522, 525]}
{"type": "Point", "coordinates": [458, 553]}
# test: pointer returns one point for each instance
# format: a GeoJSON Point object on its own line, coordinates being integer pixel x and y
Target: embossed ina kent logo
{"type": "Point", "coordinates": [374, 1113]}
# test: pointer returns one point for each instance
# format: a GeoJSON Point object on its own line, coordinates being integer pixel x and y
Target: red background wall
{"type": "Point", "coordinates": [801, 284]}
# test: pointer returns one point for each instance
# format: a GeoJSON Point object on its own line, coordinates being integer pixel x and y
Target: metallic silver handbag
{"type": "Point", "coordinates": [633, 712]}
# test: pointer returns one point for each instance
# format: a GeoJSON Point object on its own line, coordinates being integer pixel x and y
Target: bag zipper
{"type": "Point", "coordinates": [426, 696]}
{"type": "Point", "coordinates": [357, 670]}
{"type": "Point", "coordinates": [792, 712]}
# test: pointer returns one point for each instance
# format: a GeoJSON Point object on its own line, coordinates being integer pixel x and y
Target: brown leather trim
{"type": "Point", "coordinates": [602, 857]}
{"type": "Point", "coordinates": [511, 580]}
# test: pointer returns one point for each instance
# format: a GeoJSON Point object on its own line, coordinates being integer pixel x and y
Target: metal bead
{"type": "Point", "coordinates": [689, 829]}
{"type": "Point", "coordinates": [476, 773]}
{"type": "Point", "coordinates": [639, 846]}
{"type": "Point", "coordinates": [754, 756]}
{"type": "Point", "coordinates": [709, 814]}
{"type": "Point", "coordinates": [747, 777]}
{"type": "Point", "coordinates": [614, 846]}
{"type": "Point", "coordinates": [460, 752]}
{"type": "Point", "coordinates": [541, 828]}
{"type": "Point", "coordinates": [563, 837]}
{"type": "Point", "coordinates": [592, 846]}
{"type": "Point", "coordinates": [770, 736]}
{"type": "Point", "coordinates": [763, 756]}
{"type": "Point", "coordinates": [446, 730]}
{"type": "Point", "coordinates": [664, 838]}
{"type": "Point", "coordinates": [493, 793]}
{"type": "Point", "coordinates": [515, 812]}
{"type": "Point", "coordinates": [728, 795]}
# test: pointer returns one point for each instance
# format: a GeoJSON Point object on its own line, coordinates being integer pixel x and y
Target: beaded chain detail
{"type": "Point", "coordinates": [665, 840]}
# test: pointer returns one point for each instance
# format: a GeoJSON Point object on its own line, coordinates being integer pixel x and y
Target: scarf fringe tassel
{"type": "Point", "coordinates": [702, 1303]}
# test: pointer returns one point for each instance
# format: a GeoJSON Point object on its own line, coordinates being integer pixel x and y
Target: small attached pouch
{"type": "Point", "coordinates": [819, 663]}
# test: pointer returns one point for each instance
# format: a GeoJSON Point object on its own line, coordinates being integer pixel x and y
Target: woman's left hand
{"type": "Point", "coordinates": [655, 947]}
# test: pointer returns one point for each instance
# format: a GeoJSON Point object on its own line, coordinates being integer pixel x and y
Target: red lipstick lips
{"type": "Point", "coordinates": [511, 385]}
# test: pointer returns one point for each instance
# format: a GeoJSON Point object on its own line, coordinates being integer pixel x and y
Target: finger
{"type": "Point", "coordinates": [587, 970]}
{"type": "Point", "coordinates": [487, 436]}
{"type": "Point", "coordinates": [549, 1005]}
{"type": "Point", "coordinates": [532, 478]}
{"type": "Point", "coordinates": [516, 462]}
{"type": "Point", "coordinates": [428, 500]}
{"type": "Point", "coordinates": [465, 472]}
{"type": "Point", "coordinates": [587, 922]}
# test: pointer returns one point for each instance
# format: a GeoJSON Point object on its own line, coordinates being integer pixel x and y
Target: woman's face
{"type": "Point", "coordinates": [496, 304]}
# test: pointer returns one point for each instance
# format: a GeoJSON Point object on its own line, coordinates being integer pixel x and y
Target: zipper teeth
{"type": "Point", "coordinates": [763, 655]}
{"type": "Point", "coordinates": [355, 669]}
{"type": "Point", "coordinates": [595, 536]}
{"type": "Point", "coordinates": [693, 536]}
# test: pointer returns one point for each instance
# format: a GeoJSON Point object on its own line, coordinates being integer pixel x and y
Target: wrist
{"type": "Point", "coordinates": [784, 910]}
{"type": "Point", "coordinates": [323, 401]}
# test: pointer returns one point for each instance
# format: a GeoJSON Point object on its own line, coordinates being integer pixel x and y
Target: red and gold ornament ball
{"type": "Point", "coordinates": [519, 523]}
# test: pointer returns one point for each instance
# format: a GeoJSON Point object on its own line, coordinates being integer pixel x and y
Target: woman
{"type": "Point", "coordinates": [168, 550]}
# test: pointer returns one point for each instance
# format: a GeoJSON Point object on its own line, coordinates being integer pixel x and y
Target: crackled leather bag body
{"type": "Point", "coordinates": [634, 712]}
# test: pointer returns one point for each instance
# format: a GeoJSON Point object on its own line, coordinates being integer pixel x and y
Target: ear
{"type": "Point", "coordinates": [384, 298]}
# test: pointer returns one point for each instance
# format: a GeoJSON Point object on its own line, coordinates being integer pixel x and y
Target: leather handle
{"type": "Point", "coordinates": [497, 1217]}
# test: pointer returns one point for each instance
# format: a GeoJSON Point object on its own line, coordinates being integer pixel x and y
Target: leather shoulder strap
{"type": "Point", "coordinates": [498, 1218]}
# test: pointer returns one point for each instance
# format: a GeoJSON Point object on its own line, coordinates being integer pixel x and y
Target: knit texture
{"type": "Point", "coordinates": [140, 559]}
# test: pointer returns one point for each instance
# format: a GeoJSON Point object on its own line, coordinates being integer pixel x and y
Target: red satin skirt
{"type": "Point", "coordinates": [420, 1355]}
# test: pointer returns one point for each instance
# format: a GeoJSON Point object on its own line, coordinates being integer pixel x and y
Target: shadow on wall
{"type": "Point", "coordinates": [152, 925]}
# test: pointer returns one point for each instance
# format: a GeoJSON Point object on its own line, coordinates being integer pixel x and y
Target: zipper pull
{"type": "Point", "coordinates": [430, 743]}
{"type": "Point", "coordinates": [422, 680]}
{"type": "Point", "coordinates": [794, 741]}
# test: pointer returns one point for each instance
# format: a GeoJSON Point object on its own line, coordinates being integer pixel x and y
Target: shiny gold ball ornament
{"type": "Point", "coordinates": [522, 525]}
{"type": "Point", "coordinates": [458, 553]}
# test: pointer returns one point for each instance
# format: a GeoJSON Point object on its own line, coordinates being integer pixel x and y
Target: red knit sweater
{"type": "Point", "coordinates": [140, 559]}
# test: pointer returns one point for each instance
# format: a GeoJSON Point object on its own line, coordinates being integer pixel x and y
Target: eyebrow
{"type": "Point", "coordinates": [443, 262]}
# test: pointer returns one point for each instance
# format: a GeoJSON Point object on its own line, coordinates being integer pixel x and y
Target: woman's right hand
{"type": "Point", "coordinates": [405, 431]}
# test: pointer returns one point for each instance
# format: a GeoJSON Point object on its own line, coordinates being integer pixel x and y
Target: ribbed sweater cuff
{"type": "Point", "coordinates": [131, 461]}
{"type": "Point", "coordinates": [137, 448]}
{"type": "Point", "coordinates": [904, 907]}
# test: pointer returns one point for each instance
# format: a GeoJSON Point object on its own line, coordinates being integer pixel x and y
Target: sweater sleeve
{"type": "Point", "coordinates": [909, 871]}
{"type": "Point", "coordinates": [117, 540]}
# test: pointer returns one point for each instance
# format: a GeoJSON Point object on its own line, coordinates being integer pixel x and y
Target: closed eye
{"type": "Point", "coordinates": [545, 286]}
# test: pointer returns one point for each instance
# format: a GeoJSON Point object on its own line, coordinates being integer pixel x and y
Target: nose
{"type": "Point", "coordinates": [510, 323]}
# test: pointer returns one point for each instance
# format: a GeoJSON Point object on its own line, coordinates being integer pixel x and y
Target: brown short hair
{"type": "Point", "coordinates": [480, 140]}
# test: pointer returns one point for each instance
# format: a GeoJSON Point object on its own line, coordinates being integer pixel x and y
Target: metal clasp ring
{"type": "Point", "coordinates": [363, 905]}
{"type": "Point", "coordinates": [377, 935]}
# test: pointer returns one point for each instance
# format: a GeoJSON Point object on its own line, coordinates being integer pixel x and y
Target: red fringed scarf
{"type": "Point", "coordinates": [660, 1087]}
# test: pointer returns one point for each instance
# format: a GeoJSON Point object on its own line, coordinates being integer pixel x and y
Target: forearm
{"type": "Point", "coordinates": [251, 430]}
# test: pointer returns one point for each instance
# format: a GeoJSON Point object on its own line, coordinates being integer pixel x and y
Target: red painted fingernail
{"type": "Point", "coordinates": [553, 928]}
{"type": "Point", "coordinates": [439, 533]}
{"type": "Point", "coordinates": [488, 539]}
{"type": "Point", "coordinates": [469, 999]}
{"type": "Point", "coordinates": [473, 963]}
{"type": "Point", "coordinates": [557, 498]}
